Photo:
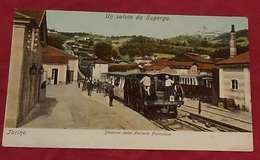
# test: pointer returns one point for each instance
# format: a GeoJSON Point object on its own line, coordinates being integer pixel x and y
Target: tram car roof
{"type": "Point", "coordinates": [140, 73]}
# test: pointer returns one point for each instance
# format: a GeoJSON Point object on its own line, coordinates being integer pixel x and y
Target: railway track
{"type": "Point", "coordinates": [178, 124]}
{"type": "Point", "coordinates": [188, 121]}
{"type": "Point", "coordinates": [223, 120]}
{"type": "Point", "coordinates": [162, 125]}
{"type": "Point", "coordinates": [196, 122]}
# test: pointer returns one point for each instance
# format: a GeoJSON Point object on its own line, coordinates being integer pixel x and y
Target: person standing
{"type": "Point", "coordinates": [79, 81]}
{"type": "Point", "coordinates": [111, 94]}
{"type": "Point", "coordinates": [105, 88]}
{"type": "Point", "coordinates": [168, 87]}
{"type": "Point", "coordinates": [146, 81]}
{"type": "Point", "coordinates": [89, 87]}
{"type": "Point", "coordinates": [98, 84]}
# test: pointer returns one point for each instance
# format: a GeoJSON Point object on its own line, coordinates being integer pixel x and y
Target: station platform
{"type": "Point", "coordinates": [242, 120]}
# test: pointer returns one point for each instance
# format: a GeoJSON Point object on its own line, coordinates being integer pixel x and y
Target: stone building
{"type": "Point", "coordinates": [25, 85]}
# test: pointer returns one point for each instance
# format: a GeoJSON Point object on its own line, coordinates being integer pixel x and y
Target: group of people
{"type": "Point", "coordinates": [108, 89]}
{"type": "Point", "coordinates": [100, 87]}
{"type": "Point", "coordinates": [146, 81]}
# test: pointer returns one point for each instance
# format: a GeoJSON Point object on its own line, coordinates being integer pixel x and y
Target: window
{"type": "Point", "coordinates": [234, 84]}
{"type": "Point", "coordinates": [208, 83]}
{"type": "Point", "coordinates": [117, 81]}
{"type": "Point", "coordinates": [52, 73]}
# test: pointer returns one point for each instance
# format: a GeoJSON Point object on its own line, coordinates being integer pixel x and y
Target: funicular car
{"type": "Point", "coordinates": [128, 89]}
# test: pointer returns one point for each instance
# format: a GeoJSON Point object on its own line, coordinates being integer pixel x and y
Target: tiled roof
{"type": "Point", "coordinates": [192, 57]}
{"type": "Point", "coordinates": [33, 14]}
{"type": "Point", "coordinates": [164, 63]}
{"type": "Point", "coordinates": [122, 67]}
{"type": "Point", "coordinates": [54, 55]}
{"type": "Point", "coordinates": [100, 61]}
{"type": "Point", "coordinates": [157, 60]}
{"type": "Point", "coordinates": [205, 66]}
{"type": "Point", "coordinates": [155, 67]}
{"type": "Point", "coordinates": [198, 58]}
{"type": "Point", "coordinates": [159, 64]}
{"type": "Point", "coordinates": [180, 64]}
{"type": "Point", "coordinates": [239, 59]}
{"type": "Point", "coordinates": [216, 60]}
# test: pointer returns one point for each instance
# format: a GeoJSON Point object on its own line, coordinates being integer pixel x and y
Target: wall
{"type": "Point", "coordinates": [15, 78]}
{"type": "Point", "coordinates": [73, 65]}
{"type": "Point", "coordinates": [193, 70]}
{"type": "Point", "coordinates": [182, 71]}
{"type": "Point", "coordinates": [62, 71]}
{"type": "Point", "coordinates": [242, 95]}
{"type": "Point", "coordinates": [99, 68]}
{"type": "Point", "coordinates": [23, 88]}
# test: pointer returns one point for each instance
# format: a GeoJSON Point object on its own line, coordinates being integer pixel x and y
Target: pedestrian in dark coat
{"type": "Point", "coordinates": [89, 87]}
{"type": "Point", "coordinates": [111, 94]}
{"type": "Point", "coordinates": [79, 81]}
{"type": "Point", "coordinates": [98, 84]}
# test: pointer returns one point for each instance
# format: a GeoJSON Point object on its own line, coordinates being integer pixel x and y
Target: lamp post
{"type": "Point", "coordinates": [41, 70]}
{"type": "Point", "coordinates": [88, 73]}
{"type": "Point", "coordinates": [33, 69]}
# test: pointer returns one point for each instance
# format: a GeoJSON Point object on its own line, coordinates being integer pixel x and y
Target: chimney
{"type": "Point", "coordinates": [233, 49]}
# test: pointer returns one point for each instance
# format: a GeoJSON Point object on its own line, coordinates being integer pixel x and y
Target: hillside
{"type": "Point", "coordinates": [84, 44]}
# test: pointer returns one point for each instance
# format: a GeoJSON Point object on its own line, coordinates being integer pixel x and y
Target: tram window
{"type": "Point", "coordinates": [181, 80]}
{"type": "Point", "coordinates": [117, 81]}
{"type": "Point", "coordinates": [122, 82]}
{"type": "Point", "coordinates": [193, 81]}
{"type": "Point", "coordinates": [209, 83]}
{"type": "Point", "coordinates": [234, 84]}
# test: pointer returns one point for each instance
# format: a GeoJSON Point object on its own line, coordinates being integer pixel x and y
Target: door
{"type": "Point", "coordinates": [54, 76]}
{"type": "Point", "coordinates": [69, 76]}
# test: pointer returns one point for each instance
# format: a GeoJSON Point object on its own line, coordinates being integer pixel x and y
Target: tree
{"type": "Point", "coordinates": [115, 54]}
{"type": "Point", "coordinates": [91, 43]}
{"type": "Point", "coordinates": [103, 50]}
{"type": "Point", "coordinates": [56, 40]}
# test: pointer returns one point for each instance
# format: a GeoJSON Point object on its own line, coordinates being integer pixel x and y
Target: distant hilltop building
{"type": "Point", "coordinates": [52, 31]}
{"type": "Point", "coordinates": [209, 35]}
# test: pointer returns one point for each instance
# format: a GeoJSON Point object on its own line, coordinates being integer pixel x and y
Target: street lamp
{"type": "Point", "coordinates": [41, 70]}
{"type": "Point", "coordinates": [90, 67]}
{"type": "Point", "coordinates": [33, 69]}
{"type": "Point", "coordinates": [88, 73]}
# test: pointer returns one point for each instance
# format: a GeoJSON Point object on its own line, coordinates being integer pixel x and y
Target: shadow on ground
{"type": "Point", "coordinates": [41, 109]}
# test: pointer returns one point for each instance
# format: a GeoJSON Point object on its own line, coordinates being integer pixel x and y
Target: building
{"type": "Point", "coordinates": [59, 66]}
{"type": "Point", "coordinates": [234, 77]}
{"type": "Point", "coordinates": [145, 61]}
{"type": "Point", "coordinates": [193, 64]}
{"type": "Point", "coordinates": [234, 80]}
{"type": "Point", "coordinates": [100, 67]}
{"type": "Point", "coordinates": [26, 82]}
{"type": "Point", "coordinates": [113, 67]}
{"type": "Point", "coordinates": [161, 66]}
{"type": "Point", "coordinates": [208, 35]}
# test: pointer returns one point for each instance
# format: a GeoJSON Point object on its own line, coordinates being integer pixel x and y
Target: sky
{"type": "Point", "coordinates": [152, 25]}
